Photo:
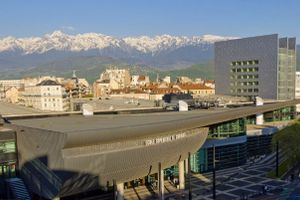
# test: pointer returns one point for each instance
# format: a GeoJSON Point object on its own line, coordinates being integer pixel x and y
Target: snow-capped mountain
{"type": "Point", "coordinates": [60, 41]}
{"type": "Point", "coordinates": [59, 51]}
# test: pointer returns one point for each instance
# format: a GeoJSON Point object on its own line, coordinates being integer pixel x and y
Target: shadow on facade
{"type": "Point", "coordinates": [45, 183]}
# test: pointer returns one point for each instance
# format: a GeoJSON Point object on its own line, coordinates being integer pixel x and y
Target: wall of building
{"type": "Point", "coordinates": [286, 68]}
{"type": "Point", "coordinates": [263, 49]}
{"type": "Point", "coordinates": [230, 143]}
{"type": "Point", "coordinates": [45, 97]}
{"type": "Point", "coordinates": [52, 169]}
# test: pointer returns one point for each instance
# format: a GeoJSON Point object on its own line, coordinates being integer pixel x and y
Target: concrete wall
{"type": "Point", "coordinates": [262, 48]}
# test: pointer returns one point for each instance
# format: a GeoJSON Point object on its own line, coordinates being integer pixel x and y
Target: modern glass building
{"type": "Point", "coordinates": [8, 155]}
{"type": "Point", "coordinates": [284, 114]}
{"type": "Point", "coordinates": [8, 158]}
{"type": "Point", "coordinates": [257, 66]}
{"type": "Point", "coordinates": [230, 142]}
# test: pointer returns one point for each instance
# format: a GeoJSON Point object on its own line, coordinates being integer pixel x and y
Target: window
{"type": "Point", "coordinates": [244, 62]}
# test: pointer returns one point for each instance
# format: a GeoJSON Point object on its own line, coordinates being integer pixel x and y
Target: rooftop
{"type": "Point", "coordinates": [9, 109]}
{"type": "Point", "coordinates": [108, 128]}
{"type": "Point", "coordinates": [48, 82]}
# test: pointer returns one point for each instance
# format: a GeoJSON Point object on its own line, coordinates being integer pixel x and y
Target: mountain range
{"type": "Point", "coordinates": [162, 51]}
{"type": "Point", "coordinates": [59, 53]}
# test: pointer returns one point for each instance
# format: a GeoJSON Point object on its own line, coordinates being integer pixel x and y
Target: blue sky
{"type": "Point", "coordinates": [121, 18]}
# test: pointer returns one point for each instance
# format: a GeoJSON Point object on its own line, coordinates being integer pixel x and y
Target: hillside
{"type": "Point", "coordinates": [90, 67]}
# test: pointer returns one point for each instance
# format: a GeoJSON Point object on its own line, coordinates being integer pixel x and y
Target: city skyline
{"type": "Point", "coordinates": [136, 18]}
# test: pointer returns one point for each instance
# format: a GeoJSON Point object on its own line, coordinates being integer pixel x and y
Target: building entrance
{"type": "Point", "coordinates": [7, 170]}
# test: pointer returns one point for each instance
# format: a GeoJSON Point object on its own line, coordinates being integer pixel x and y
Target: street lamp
{"type": "Point", "coordinates": [277, 158]}
{"type": "Point", "coordinates": [214, 172]}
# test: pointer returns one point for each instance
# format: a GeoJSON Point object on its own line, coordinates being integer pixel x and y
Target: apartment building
{"type": "Point", "coordinates": [47, 95]}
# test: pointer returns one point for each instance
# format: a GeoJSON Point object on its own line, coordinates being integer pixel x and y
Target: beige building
{"type": "Point", "coordinates": [195, 89]}
{"type": "Point", "coordinates": [210, 83]}
{"type": "Point", "coordinates": [118, 78]}
{"type": "Point", "coordinates": [12, 83]}
{"type": "Point", "coordinates": [183, 79]}
{"type": "Point", "coordinates": [101, 88]}
{"type": "Point", "coordinates": [47, 95]}
{"type": "Point", "coordinates": [12, 95]}
{"type": "Point", "coordinates": [111, 79]}
{"type": "Point", "coordinates": [6, 85]}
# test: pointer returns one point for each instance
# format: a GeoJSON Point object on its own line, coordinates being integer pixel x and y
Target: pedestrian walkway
{"type": "Point", "coordinates": [232, 183]}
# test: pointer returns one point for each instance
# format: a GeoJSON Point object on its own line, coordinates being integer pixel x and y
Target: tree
{"type": "Point", "coordinates": [289, 142]}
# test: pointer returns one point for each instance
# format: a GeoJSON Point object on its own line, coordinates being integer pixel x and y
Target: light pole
{"type": "Point", "coordinates": [189, 176]}
{"type": "Point", "coordinates": [277, 159]}
{"type": "Point", "coordinates": [214, 172]}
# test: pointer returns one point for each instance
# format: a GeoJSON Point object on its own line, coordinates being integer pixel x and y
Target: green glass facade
{"type": "Point", "coordinates": [228, 155]}
{"type": "Point", "coordinates": [286, 70]}
{"type": "Point", "coordinates": [8, 155]}
{"type": "Point", "coordinates": [229, 129]}
{"type": "Point", "coordinates": [284, 114]}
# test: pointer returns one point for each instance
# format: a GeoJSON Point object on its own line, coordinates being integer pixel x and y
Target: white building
{"type": "Point", "coordinates": [47, 95]}
{"type": "Point", "coordinates": [183, 79]}
{"type": "Point", "coordinates": [139, 80]}
{"type": "Point", "coordinates": [167, 79]}
{"type": "Point", "coordinates": [12, 83]}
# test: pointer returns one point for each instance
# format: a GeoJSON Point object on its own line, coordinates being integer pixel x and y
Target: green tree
{"type": "Point", "coordinates": [289, 142]}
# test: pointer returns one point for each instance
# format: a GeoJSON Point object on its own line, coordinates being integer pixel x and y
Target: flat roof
{"type": "Point", "coordinates": [13, 109]}
{"type": "Point", "coordinates": [108, 128]}
{"type": "Point", "coordinates": [78, 123]}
